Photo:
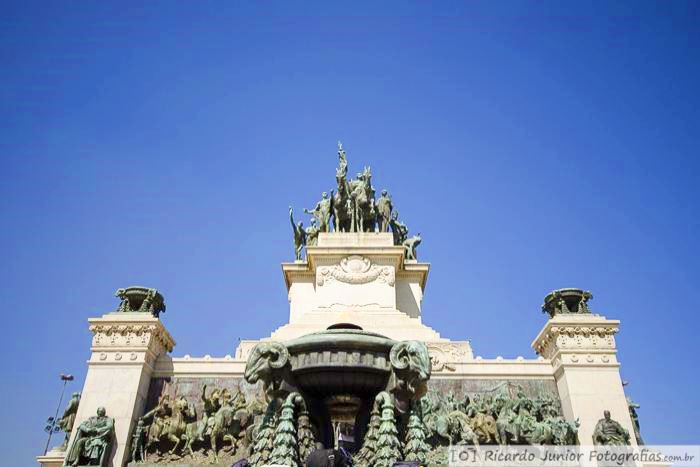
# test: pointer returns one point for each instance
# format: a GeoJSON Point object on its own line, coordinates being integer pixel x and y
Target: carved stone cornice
{"type": "Point", "coordinates": [581, 335]}
{"type": "Point", "coordinates": [127, 333]}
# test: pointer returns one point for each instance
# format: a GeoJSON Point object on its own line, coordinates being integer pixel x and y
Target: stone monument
{"type": "Point", "coordinates": [354, 366]}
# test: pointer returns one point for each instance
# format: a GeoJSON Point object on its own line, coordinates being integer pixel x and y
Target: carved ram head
{"type": "Point", "coordinates": [268, 362]}
{"type": "Point", "coordinates": [411, 363]}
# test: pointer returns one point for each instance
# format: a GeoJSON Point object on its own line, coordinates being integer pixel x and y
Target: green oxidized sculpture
{"type": "Point", "coordinates": [410, 245]}
{"type": "Point", "coordinates": [322, 213]}
{"type": "Point", "coordinates": [342, 160]}
{"type": "Point", "coordinates": [312, 234]}
{"type": "Point", "coordinates": [140, 300]}
{"type": "Point", "coordinates": [352, 207]}
{"type": "Point", "coordinates": [415, 448]}
{"type": "Point", "coordinates": [138, 442]}
{"type": "Point", "coordinates": [366, 456]}
{"type": "Point", "coordinates": [635, 420]}
{"type": "Point", "coordinates": [172, 430]}
{"type": "Point", "coordinates": [609, 432]}
{"type": "Point", "coordinates": [263, 443]}
{"type": "Point", "coordinates": [565, 301]}
{"type": "Point", "coordinates": [269, 362]}
{"type": "Point", "coordinates": [65, 423]}
{"type": "Point", "coordinates": [388, 446]}
{"type": "Point", "coordinates": [93, 441]}
{"type": "Point", "coordinates": [411, 366]}
{"type": "Point", "coordinates": [305, 434]}
{"type": "Point", "coordinates": [398, 229]}
{"type": "Point", "coordinates": [299, 235]}
{"type": "Point", "coordinates": [384, 208]}
{"type": "Point", "coordinates": [496, 418]}
{"type": "Point", "coordinates": [285, 451]}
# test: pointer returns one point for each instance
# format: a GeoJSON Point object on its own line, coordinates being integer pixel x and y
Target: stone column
{"type": "Point", "coordinates": [125, 346]}
{"type": "Point", "coordinates": [582, 351]}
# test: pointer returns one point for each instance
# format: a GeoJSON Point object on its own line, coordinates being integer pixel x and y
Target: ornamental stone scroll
{"type": "Point", "coordinates": [356, 270]}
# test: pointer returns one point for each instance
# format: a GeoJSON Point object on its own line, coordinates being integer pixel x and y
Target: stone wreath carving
{"type": "Point", "coordinates": [356, 270]}
{"type": "Point", "coordinates": [443, 354]}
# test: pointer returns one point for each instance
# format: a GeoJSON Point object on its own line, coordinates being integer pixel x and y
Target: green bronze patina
{"type": "Point", "coordinates": [352, 207]}
{"type": "Point", "coordinates": [632, 407]}
{"type": "Point", "coordinates": [609, 432]}
{"type": "Point", "coordinates": [93, 441]}
{"type": "Point", "coordinates": [563, 301]}
{"type": "Point", "coordinates": [65, 423]}
{"type": "Point", "coordinates": [137, 299]}
{"type": "Point", "coordinates": [299, 235]}
{"type": "Point", "coordinates": [376, 384]}
{"type": "Point", "coordinates": [338, 372]}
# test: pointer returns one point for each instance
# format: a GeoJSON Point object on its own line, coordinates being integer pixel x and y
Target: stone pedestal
{"type": "Point", "coordinates": [53, 458]}
{"type": "Point", "coordinates": [582, 351]}
{"type": "Point", "coordinates": [125, 347]}
{"type": "Point", "coordinates": [360, 279]}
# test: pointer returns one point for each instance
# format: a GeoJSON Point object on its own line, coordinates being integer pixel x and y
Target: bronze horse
{"type": "Point", "coordinates": [362, 195]}
{"type": "Point", "coordinates": [341, 205]}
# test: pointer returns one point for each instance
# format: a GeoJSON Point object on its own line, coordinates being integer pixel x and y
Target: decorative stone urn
{"type": "Point", "coordinates": [564, 301]}
{"type": "Point", "coordinates": [137, 299]}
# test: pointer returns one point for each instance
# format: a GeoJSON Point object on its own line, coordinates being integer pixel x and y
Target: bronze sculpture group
{"type": "Point", "coordinates": [173, 429]}
{"type": "Point", "coordinates": [497, 419]}
{"type": "Point", "coordinates": [352, 207]}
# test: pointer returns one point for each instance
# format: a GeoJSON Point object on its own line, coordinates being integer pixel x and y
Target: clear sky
{"type": "Point", "coordinates": [535, 145]}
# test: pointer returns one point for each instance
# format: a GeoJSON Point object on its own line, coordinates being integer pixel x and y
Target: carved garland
{"type": "Point", "coordinates": [356, 270]}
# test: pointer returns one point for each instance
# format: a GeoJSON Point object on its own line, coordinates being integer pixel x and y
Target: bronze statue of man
{"type": "Point", "coordinates": [632, 406]}
{"type": "Point", "coordinates": [398, 228]}
{"type": "Point", "coordinates": [159, 416]}
{"type": "Point", "coordinates": [299, 235]}
{"type": "Point", "coordinates": [342, 161]}
{"type": "Point", "coordinates": [138, 442]}
{"type": "Point", "coordinates": [384, 208]}
{"type": "Point", "coordinates": [312, 233]}
{"type": "Point", "coordinates": [609, 432]}
{"type": "Point", "coordinates": [93, 441]}
{"type": "Point", "coordinates": [212, 403]}
{"type": "Point", "coordinates": [410, 246]}
{"type": "Point", "coordinates": [65, 423]}
{"type": "Point", "coordinates": [322, 213]}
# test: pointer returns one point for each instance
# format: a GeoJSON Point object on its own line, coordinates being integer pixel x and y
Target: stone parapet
{"type": "Point", "coordinates": [450, 360]}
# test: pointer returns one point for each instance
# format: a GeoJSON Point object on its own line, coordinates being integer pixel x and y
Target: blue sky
{"type": "Point", "coordinates": [535, 145]}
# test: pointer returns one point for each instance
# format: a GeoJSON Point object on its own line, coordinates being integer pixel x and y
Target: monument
{"type": "Point", "coordinates": [354, 367]}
